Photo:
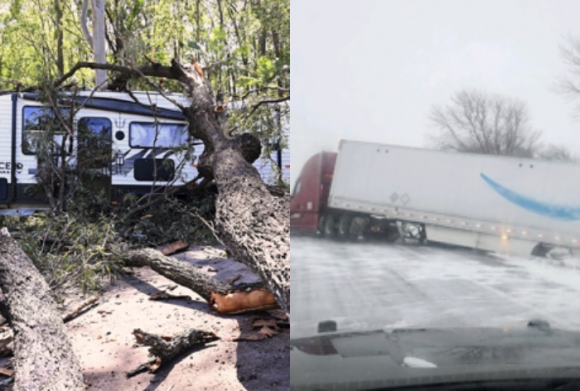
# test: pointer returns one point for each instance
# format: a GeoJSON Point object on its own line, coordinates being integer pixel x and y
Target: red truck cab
{"type": "Point", "coordinates": [309, 199]}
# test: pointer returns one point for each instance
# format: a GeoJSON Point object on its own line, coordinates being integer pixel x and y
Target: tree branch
{"type": "Point", "coordinates": [267, 101]}
{"type": "Point", "coordinates": [84, 23]}
{"type": "Point", "coordinates": [156, 70]}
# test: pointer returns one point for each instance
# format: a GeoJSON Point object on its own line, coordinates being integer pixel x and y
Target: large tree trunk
{"type": "Point", "coordinates": [44, 359]}
{"type": "Point", "coordinates": [253, 223]}
{"type": "Point", "coordinates": [244, 201]}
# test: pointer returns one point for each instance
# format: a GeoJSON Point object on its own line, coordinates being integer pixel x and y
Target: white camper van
{"type": "Point", "coordinates": [143, 135]}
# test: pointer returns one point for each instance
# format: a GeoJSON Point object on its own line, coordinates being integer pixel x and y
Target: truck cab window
{"type": "Point", "coordinates": [149, 135]}
{"type": "Point", "coordinates": [36, 120]}
{"type": "Point", "coordinates": [297, 188]}
{"type": "Point", "coordinates": [94, 142]}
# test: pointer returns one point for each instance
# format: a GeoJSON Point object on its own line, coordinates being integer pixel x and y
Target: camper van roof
{"type": "Point", "coordinates": [150, 104]}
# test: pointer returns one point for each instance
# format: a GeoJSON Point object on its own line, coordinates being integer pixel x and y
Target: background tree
{"type": "Point", "coordinates": [556, 152]}
{"type": "Point", "coordinates": [569, 86]}
{"type": "Point", "coordinates": [478, 122]}
{"type": "Point", "coordinates": [97, 40]}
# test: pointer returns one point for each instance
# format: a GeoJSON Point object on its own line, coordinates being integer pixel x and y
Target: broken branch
{"type": "Point", "coordinates": [222, 298]}
{"type": "Point", "coordinates": [82, 307]}
{"type": "Point", "coordinates": [167, 296]}
{"type": "Point", "coordinates": [164, 350]}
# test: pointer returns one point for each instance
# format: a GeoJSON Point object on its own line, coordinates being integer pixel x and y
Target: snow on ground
{"type": "Point", "coordinates": [380, 285]}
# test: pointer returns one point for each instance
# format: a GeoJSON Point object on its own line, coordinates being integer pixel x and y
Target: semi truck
{"type": "Point", "coordinates": [144, 129]}
{"type": "Point", "coordinates": [492, 203]}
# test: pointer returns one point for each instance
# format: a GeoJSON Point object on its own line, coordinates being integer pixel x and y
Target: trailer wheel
{"type": "Point", "coordinates": [321, 224]}
{"type": "Point", "coordinates": [328, 226]}
{"type": "Point", "coordinates": [358, 227]}
{"type": "Point", "coordinates": [344, 226]}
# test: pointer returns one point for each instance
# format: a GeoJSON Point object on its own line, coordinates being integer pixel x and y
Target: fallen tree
{"type": "Point", "coordinates": [251, 221]}
{"type": "Point", "coordinates": [43, 355]}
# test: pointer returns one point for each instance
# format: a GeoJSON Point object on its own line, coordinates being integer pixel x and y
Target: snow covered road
{"type": "Point", "coordinates": [380, 285]}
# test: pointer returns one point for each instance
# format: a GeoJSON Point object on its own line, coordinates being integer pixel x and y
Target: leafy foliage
{"type": "Point", "coordinates": [85, 245]}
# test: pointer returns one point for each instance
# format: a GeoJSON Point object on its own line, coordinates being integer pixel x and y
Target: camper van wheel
{"type": "Point", "coordinates": [328, 226]}
{"type": "Point", "coordinates": [344, 226]}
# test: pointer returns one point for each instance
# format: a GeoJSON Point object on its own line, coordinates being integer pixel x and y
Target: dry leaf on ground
{"type": "Point", "coordinates": [174, 247]}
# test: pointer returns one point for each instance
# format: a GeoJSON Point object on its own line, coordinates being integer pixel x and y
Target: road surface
{"type": "Point", "coordinates": [380, 285]}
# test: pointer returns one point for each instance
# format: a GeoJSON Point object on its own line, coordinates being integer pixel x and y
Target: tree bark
{"type": "Point", "coordinates": [43, 355]}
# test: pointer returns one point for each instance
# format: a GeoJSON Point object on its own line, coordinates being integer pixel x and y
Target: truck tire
{"type": "Point", "coordinates": [328, 226]}
{"type": "Point", "coordinates": [358, 227]}
{"type": "Point", "coordinates": [344, 226]}
{"type": "Point", "coordinates": [321, 225]}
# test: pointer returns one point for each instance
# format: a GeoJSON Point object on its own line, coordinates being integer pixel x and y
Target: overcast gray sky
{"type": "Point", "coordinates": [372, 70]}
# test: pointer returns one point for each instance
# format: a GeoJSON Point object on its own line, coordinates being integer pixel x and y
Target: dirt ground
{"type": "Point", "coordinates": [102, 337]}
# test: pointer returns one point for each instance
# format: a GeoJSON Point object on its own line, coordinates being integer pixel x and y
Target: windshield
{"type": "Point", "coordinates": [436, 188]}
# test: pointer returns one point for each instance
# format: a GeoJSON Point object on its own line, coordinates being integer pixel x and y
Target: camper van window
{"type": "Point", "coordinates": [95, 142]}
{"type": "Point", "coordinates": [35, 120]}
{"type": "Point", "coordinates": [142, 135]}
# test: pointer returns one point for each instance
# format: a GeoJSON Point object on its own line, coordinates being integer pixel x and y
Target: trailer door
{"type": "Point", "coordinates": [95, 152]}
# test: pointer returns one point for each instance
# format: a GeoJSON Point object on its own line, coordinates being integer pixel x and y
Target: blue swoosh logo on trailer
{"type": "Point", "coordinates": [554, 211]}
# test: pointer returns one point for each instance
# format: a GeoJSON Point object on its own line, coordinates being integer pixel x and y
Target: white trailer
{"type": "Point", "coordinates": [143, 134]}
{"type": "Point", "coordinates": [501, 204]}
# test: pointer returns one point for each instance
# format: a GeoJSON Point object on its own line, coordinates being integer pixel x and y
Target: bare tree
{"type": "Point", "coordinates": [556, 152]}
{"type": "Point", "coordinates": [478, 122]}
{"type": "Point", "coordinates": [571, 54]}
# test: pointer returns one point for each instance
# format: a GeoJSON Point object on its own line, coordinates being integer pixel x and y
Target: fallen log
{"type": "Point", "coordinates": [163, 349]}
{"type": "Point", "coordinates": [43, 356]}
{"type": "Point", "coordinates": [221, 297]}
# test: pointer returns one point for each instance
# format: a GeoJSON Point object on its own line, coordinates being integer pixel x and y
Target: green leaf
{"type": "Point", "coordinates": [137, 7]}
{"type": "Point", "coordinates": [266, 69]}
{"type": "Point", "coordinates": [193, 45]}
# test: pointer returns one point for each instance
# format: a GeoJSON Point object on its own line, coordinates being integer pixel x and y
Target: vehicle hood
{"type": "Point", "coordinates": [399, 357]}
